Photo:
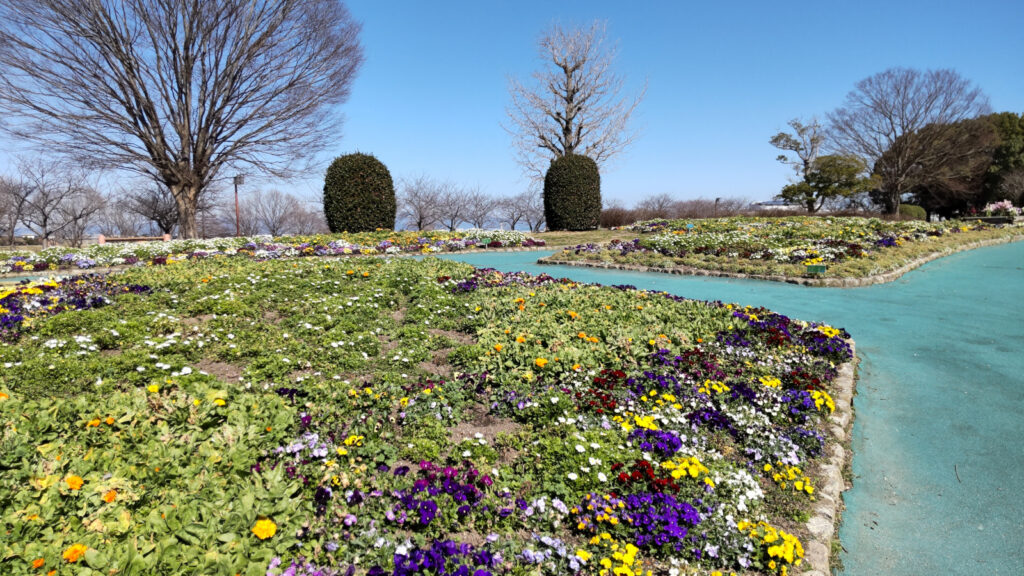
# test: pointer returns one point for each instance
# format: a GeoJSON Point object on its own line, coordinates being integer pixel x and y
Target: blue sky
{"type": "Point", "coordinates": [723, 77]}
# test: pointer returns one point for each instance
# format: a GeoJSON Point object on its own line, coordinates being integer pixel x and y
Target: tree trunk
{"type": "Point", "coordinates": [185, 199]}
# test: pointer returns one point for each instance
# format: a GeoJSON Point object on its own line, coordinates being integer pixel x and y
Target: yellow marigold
{"type": "Point", "coordinates": [75, 552]}
{"type": "Point", "coordinates": [153, 388]}
{"type": "Point", "coordinates": [219, 401]}
{"type": "Point", "coordinates": [95, 422]}
{"type": "Point", "coordinates": [497, 347]}
{"type": "Point", "coordinates": [109, 496]}
{"type": "Point", "coordinates": [74, 482]}
{"type": "Point", "coordinates": [264, 528]}
{"type": "Point", "coordinates": [541, 362]}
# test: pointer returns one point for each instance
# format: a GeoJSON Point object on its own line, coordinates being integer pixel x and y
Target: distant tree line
{"type": "Point", "coordinates": [907, 136]}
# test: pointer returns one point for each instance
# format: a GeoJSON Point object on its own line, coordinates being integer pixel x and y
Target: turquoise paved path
{"type": "Point", "coordinates": [939, 433]}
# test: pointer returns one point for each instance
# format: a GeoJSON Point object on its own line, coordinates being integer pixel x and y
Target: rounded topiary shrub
{"type": "Point", "coordinates": [912, 211]}
{"type": "Point", "coordinates": [359, 195]}
{"type": "Point", "coordinates": [572, 194]}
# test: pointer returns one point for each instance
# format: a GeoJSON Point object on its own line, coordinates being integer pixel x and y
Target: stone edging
{"type": "Point", "coordinates": [826, 510]}
{"type": "Point", "coordinates": [827, 282]}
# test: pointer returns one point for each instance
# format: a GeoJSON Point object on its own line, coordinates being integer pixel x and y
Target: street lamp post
{"type": "Point", "coordinates": [717, 200]}
{"type": "Point", "coordinates": [239, 179]}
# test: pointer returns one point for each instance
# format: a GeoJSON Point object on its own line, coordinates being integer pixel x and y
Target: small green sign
{"type": "Point", "coordinates": [815, 268]}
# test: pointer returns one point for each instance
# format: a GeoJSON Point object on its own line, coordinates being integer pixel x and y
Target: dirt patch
{"type": "Point", "coordinates": [460, 337]}
{"type": "Point", "coordinates": [196, 320]}
{"type": "Point", "coordinates": [480, 421]}
{"type": "Point", "coordinates": [221, 370]}
{"type": "Point", "coordinates": [399, 315]}
{"type": "Point", "coordinates": [110, 352]}
{"type": "Point", "coordinates": [271, 317]}
{"type": "Point", "coordinates": [438, 364]}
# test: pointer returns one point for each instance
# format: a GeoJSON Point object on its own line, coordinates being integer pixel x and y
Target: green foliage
{"type": "Point", "coordinates": [359, 195]}
{"type": "Point", "coordinates": [572, 194]}
{"type": "Point", "coordinates": [912, 211]}
{"type": "Point", "coordinates": [1008, 156]}
{"type": "Point", "coordinates": [830, 176]}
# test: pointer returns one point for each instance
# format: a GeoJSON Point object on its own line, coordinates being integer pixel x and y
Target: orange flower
{"type": "Point", "coordinates": [109, 421]}
{"type": "Point", "coordinates": [520, 339]}
{"type": "Point", "coordinates": [75, 552]}
{"type": "Point", "coordinates": [38, 563]}
{"type": "Point", "coordinates": [541, 362]}
{"type": "Point", "coordinates": [93, 423]}
{"type": "Point", "coordinates": [4, 396]}
{"type": "Point", "coordinates": [74, 482]}
{"type": "Point", "coordinates": [109, 496]}
{"type": "Point", "coordinates": [497, 347]}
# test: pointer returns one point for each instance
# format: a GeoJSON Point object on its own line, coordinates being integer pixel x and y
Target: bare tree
{"type": "Point", "coordinates": [886, 115]}
{"type": "Point", "coordinates": [12, 205]}
{"type": "Point", "coordinates": [451, 206]}
{"type": "Point", "coordinates": [274, 211]}
{"type": "Point", "coordinates": [511, 210]}
{"type": "Point", "coordinates": [77, 213]}
{"type": "Point", "coordinates": [54, 197]}
{"type": "Point", "coordinates": [309, 220]}
{"type": "Point", "coordinates": [418, 202]}
{"type": "Point", "coordinates": [533, 204]}
{"type": "Point", "coordinates": [657, 206]}
{"type": "Point", "coordinates": [804, 143]}
{"type": "Point", "coordinates": [119, 219]}
{"type": "Point", "coordinates": [575, 105]}
{"type": "Point", "coordinates": [479, 208]}
{"type": "Point", "coordinates": [154, 203]}
{"type": "Point", "coordinates": [178, 91]}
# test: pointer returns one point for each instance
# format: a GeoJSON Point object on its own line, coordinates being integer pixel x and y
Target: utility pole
{"type": "Point", "coordinates": [717, 200]}
{"type": "Point", "coordinates": [239, 180]}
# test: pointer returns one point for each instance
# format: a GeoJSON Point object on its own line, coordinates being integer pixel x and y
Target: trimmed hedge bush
{"type": "Point", "coordinates": [359, 195]}
{"type": "Point", "coordinates": [572, 194]}
{"type": "Point", "coordinates": [912, 211]}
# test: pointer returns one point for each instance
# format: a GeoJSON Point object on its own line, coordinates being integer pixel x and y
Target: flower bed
{"type": "Point", "coordinates": [407, 417]}
{"type": "Point", "coordinates": [262, 248]}
{"type": "Point", "coordinates": [849, 247]}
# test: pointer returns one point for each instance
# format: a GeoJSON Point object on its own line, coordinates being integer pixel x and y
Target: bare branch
{"type": "Point", "coordinates": [178, 91]}
{"type": "Point", "coordinates": [885, 115]}
{"type": "Point", "coordinates": [574, 106]}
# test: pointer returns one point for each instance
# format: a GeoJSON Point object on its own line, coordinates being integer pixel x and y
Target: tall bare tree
{"type": "Point", "coordinates": [179, 91]}
{"type": "Point", "coordinates": [886, 115]}
{"type": "Point", "coordinates": [575, 105]}
{"type": "Point", "coordinates": [419, 202]}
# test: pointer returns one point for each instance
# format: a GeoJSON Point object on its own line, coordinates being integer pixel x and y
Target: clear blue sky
{"type": "Point", "coordinates": [723, 78]}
